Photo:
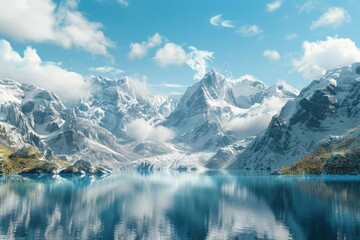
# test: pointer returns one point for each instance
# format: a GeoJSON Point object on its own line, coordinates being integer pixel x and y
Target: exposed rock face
{"type": "Point", "coordinates": [82, 167]}
{"type": "Point", "coordinates": [26, 152]}
{"type": "Point", "coordinates": [330, 105]}
{"type": "Point", "coordinates": [46, 168]}
{"type": "Point", "coordinates": [206, 115]}
{"type": "Point", "coordinates": [337, 155]}
{"type": "Point", "coordinates": [343, 164]}
{"type": "Point", "coordinates": [225, 156]}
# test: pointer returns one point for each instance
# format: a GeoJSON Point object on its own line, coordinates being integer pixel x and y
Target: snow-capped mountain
{"type": "Point", "coordinates": [113, 103]}
{"type": "Point", "coordinates": [93, 129]}
{"type": "Point", "coordinates": [216, 112]}
{"type": "Point", "coordinates": [36, 116]}
{"type": "Point", "coordinates": [328, 106]}
{"type": "Point", "coordinates": [213, 113]}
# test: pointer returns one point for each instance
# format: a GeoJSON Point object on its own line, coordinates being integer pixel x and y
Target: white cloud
{"type": "Point", "coordinates": [320, 56]}
{"type": "Point", "coordinates": [173, 54]}
{"type": "Point", "coordinates": [142, 130]}
{"type": "Point", "coordinates": [197, 61]}
{"type": "Point", "coordinates": [333, 17]}
{"type": "Point", "coordinates": [220, 22]}
{"type": "Point", "coordinates": [249, 30]}
{"type": "Point", "coordinates": [45, 21]}
{"type": "Point", "coordinates": [291, 36]}
{"type": "Point", "coordinates": [170, 54]}
{"type": "Point", "coordinates": [271, 7]}
{"type": "Point", "coordinates": [124, 3]}
{"type": "Point", "coordinates": [106, 70]}
{"type": "Point", "coordinates": [272, 54]}
{"type": "Point", "coordinates": [29, 68]}
{"type": "Point", "coordinates": [257, 119]}
{"type": "Point", "coordinates": [138, 82]}
{"type": "Point", "coordinates": [140, 50]}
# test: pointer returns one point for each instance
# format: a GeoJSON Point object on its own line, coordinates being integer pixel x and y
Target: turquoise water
{"type": "Point", "coordinates": [211, 205]}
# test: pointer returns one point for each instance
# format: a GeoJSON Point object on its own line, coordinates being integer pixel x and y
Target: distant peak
{"type": "Point", "coordinates": [212, 80]}
{"type": "Point", "coordinates": [213, 70]}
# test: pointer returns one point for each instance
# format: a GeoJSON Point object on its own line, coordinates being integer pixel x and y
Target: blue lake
{"type": "Point", "coordinates": [210, 205]}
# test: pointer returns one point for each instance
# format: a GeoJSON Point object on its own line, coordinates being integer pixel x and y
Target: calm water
{"type": "Point", "coordinates": [212, 205]}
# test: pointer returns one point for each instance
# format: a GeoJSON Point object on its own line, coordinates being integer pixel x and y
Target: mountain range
{"type": "Point", "coordinates": [217, 123]}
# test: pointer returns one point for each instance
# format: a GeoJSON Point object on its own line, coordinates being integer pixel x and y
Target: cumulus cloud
{"type": "Point", "coordinates": [271, 7]}
{"type": "Point", "coordinates": [272, 54]}
{"type": "Point", "coordinates": [291, 36]}
{"type": "Point", "coordinates": [220, 22]}
{"type": "Point", "coordinates": [142, 130]}
{"type": "Point", "coordinates": [106, 70]}
{"type": "Point", "coordinates": [46, 21]}
{"type": "Point", "coordinates": [170, 54]}
{"type": "Point", "coordinates": [333, 17]}
{"type": "Point", "coordinates": [320, 56]}
{"type": "Point", "coordinates": [140, 50]}
{"type": "Point", "coordinates": [29, 68]}
{"type": "Point", "coordinates": [173, 54]}
{"type": "Point", "coordinates": [249, 30]}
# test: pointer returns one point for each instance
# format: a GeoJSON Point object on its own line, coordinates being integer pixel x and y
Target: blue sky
{"type": "Point", "coordinates": [265, 39]}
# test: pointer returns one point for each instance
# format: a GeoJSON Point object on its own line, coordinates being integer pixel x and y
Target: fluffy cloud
{"type": "Point", "coordinates": [106, 70]}
{"type": "Point", "coordinates": [170, 54]}
{"type": "Point", "coordinates": [45, 21]}
{"type": "Point", "coordinates": [29, 68]}
{"type": "Point", "coordinates": [142, 130]}
{"type": "Point", "coordinates": [272, 54]}
{"type": "Point", "coordinates": [220, 22]}
{"type": "Point", "coordinates": [140, 50]}
{"type": "Point", "coordinates": [173, 54]}
{"type": "Point", "coordinates": [249, 30]}
{"type": "Point", "coordinates": [271, 7]}
{"type": "Point", "coordinates": [291, 36]}
{"type": "Point", "coordinates": [333, 17]}
{"type": "Point", "coordinates": [320, 56]}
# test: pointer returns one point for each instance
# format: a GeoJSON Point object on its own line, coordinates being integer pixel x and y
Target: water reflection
{"type": "Point", "coordinates": [212, 205]}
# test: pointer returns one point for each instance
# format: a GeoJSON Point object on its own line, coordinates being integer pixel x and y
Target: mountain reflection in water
{"type": "Point", "coordinates": [165, 205]}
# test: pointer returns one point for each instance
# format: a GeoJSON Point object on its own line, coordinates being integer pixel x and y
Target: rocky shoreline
{"type": "Point", "coordinates": [29, 160]}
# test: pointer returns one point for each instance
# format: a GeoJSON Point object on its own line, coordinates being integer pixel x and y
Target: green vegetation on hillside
{"type": "Point", "coordinates": [24, 159]}
{"type": "Point", "coordinates": [341, 156]}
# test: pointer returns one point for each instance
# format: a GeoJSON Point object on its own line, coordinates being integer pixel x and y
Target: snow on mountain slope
{"type": "Point", "coordinates": [226, 155]}
{"type": "Point", "coordinates": [114, 103]}
{"type": "Point", "coordinates": [36, 114]}
{"type": "Point", "coordinates": [206, 118]}
{"type": "Point", "coordinates": [328, 106]}
{"type": "Point", "coordinates": [216, 112]}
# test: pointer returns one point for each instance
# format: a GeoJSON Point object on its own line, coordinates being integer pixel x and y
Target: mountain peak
{"type": "Point", "coordinates": [213, 79]}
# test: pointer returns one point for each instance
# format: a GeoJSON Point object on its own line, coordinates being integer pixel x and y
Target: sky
{"type": "Point", "coordinates": [171, 44]}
